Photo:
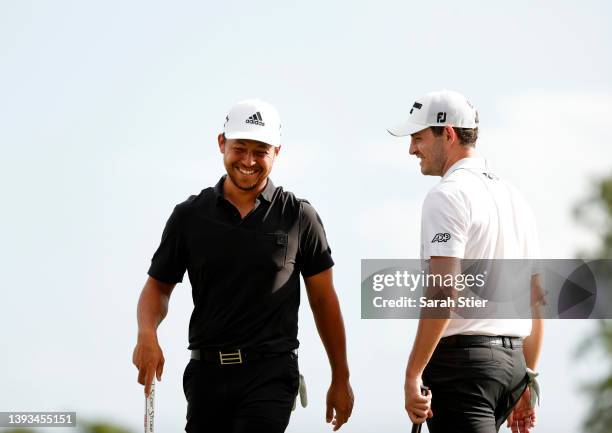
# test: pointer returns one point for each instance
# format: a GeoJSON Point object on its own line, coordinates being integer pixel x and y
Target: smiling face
{"type": "Point", "coordinates": [247, 162]}
{"type": "Point", "coordinates": [431, 150]}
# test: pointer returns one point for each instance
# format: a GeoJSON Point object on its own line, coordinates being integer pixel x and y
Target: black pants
{"type": "Point", "coordinates": [474, 388]}
{"type": "Point", "coordinates": [256, 396]}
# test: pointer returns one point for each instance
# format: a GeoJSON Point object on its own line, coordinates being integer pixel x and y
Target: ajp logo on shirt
{"type": "Point", "coordinates": [441, 237]}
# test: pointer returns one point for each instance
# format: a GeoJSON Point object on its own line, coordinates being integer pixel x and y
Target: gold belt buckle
{"type": "Point", "coordinates": [230, 357]}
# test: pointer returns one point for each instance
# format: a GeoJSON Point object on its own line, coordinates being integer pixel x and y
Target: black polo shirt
{"type": "Point", "coordinates": [244, 272]}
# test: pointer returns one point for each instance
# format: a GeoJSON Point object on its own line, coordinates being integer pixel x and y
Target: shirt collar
{"type": "Point", "coordinates": [266, 194]}
{"type": "Point", "coordinates": [477, 162]}
{"type": "Point", "coordinates": [218, 189]}
{"type": "Point", "coordinates": [268, 191]}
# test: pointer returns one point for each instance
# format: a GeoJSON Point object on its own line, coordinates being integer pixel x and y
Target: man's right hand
{"type": "Point", "coordinates": [417, 405]}
{"type": "Point", "coordinates": [522, 419]}
{"type": "Point", "coordinates": [148, 359]}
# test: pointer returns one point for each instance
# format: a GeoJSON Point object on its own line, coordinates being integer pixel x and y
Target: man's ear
{"type": "Point", "coordinates": [221, 140]}
{"type": "Point", "coordinates": [277, 150]}
{"type": "Point", "coordinates": [450, 134]}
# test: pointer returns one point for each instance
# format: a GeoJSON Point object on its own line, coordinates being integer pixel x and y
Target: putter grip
{"type": "Point", "coordinates": [149, 415]}
{"type": "Point", "coordinates": [416, 428]}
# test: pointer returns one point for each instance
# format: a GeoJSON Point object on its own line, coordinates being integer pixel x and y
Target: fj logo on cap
{"type": "Point", "coordinates": [441, 237]}
{"type": "Point", "coordinates": [256, 119]}
{"type": "Point", "coordinates": [441, 117]}
{"type": "Point", "coordinates": [417, 106]}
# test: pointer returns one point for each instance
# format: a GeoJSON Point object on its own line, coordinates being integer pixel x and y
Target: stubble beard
{"type": "Point", "coordinates": [435, 169]}
{"type": "Point", "coordinates": [242, 185]}
{"type": "Point", "coordinates": [437, 161]}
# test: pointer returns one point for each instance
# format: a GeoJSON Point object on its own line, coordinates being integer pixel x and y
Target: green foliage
{"type": "Point", "coordinates": [102, 427]}
{"type": "Point", "coordinates": [82, 427]}
{"type": "Point", "coordinates": [19, 430]}
{"type": "Point", "coordinates": [596, 213]}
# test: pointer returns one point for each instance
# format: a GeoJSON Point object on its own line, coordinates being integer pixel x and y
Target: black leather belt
{"type": "Point", "coordinates": [232, 356]}
{"type": "Point", "coordinates": [475, 340]}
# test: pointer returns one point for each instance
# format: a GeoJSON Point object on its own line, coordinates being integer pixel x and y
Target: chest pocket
{"type": "Point", "coordinates": [271, 250]}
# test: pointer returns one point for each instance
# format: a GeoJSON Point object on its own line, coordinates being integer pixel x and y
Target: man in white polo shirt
{"type": "Point", "coordinates": [475, 368]}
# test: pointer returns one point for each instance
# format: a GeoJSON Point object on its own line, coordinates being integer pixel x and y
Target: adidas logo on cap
{"type": "Point", "coordinates": [256, 119]}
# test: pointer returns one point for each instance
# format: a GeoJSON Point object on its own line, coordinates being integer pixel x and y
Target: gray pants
{"type": "Point", "coordinates": [474, 386]}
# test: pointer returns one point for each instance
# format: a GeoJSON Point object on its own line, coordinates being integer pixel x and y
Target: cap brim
{"type": "Point", "coordinates": [406, 128]}
{"type": "Point", "coordinates": [253, 135]}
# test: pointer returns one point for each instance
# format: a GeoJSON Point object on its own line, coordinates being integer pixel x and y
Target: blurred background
{"type": "Point", "coordinates": [109, 113]}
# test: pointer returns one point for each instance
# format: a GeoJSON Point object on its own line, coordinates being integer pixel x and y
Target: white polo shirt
{"type": "Point", "coordinates": [473, 214]}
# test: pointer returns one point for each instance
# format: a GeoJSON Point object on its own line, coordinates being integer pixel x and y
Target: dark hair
{"type": "Point", "coordinates": [467, 136]}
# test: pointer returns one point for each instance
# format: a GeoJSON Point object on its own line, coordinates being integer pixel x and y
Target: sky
{"type": "Point", "coordinates": [109, 113]}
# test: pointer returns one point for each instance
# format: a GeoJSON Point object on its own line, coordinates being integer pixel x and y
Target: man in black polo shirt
{"type": "Point", "coordinates": [244, 243]}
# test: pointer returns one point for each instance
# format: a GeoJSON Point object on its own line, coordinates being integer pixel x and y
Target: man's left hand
{"type": "Point", "coordinates": [339, 403]}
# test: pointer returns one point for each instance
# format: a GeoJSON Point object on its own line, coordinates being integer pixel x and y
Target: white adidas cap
{"type": "Point", "coordinates": [253, 119]}
{"type": "Point", "coordinates": [440, 108]}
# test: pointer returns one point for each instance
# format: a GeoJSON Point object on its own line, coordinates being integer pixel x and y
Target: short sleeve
{"type": "Point", "coordinates": [314, 252]}
{"type": "Point", "coordinates": [168, 263]}
{"type": "Point", "coordinates": [445, 224]}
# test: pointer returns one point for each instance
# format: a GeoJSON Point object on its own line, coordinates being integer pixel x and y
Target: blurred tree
{"type": "Point", "coordinates": [19, 430]}
{"type": "Point", "coordinates": [102, 427]}
{"type": "Point", "coordinates": [596, 213]}
{"type": "Point", "coordinates": [82, 427]}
